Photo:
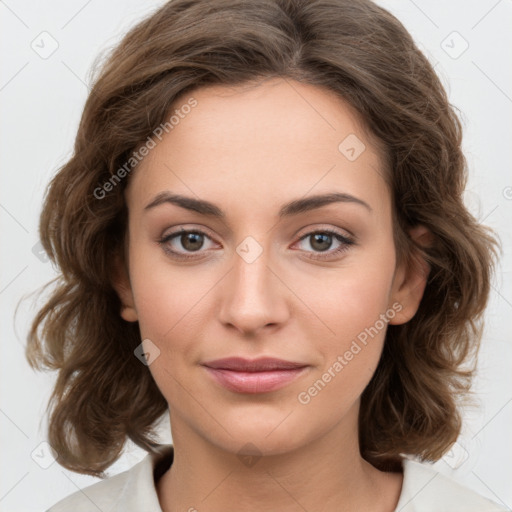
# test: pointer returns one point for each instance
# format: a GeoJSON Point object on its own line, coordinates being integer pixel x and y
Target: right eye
{"type": "Point", "coordinates": [190, 240]}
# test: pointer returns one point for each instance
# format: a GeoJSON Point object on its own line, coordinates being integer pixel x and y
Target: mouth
{"type": "Point", "coordinates": [254, 376]}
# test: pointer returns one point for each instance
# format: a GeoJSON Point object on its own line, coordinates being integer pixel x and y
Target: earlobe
{"type": "Point", "coordinates": [121, 284]}
{"type": "Point", "coordinates": [411, 279]}
{"type": "Point", "coordinates": [129, 313]}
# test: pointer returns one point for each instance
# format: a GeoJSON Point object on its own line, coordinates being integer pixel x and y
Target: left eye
{"type": "Point", "coordinates": [322, 240]}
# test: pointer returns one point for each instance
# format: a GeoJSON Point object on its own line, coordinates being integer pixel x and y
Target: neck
{"type": "Point", "coordinates": [327, 474]}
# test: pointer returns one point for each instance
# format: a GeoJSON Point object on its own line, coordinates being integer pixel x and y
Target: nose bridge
{"type": "Point", "coordinates": [253, 297]}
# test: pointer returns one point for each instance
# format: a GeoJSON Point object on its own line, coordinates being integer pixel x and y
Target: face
{"type": "Point", "coordinates": [255, 273]}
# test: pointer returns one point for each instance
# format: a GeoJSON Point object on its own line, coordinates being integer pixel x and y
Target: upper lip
{"type": "Point", "coordinates": [252, 365]}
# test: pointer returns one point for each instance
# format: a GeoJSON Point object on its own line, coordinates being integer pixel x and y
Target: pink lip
{"type": "Point", "coordinates": [256, 376]}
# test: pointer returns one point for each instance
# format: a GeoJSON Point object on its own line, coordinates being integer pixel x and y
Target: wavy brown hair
{"type": "Point", "coordinates": [103, 395]}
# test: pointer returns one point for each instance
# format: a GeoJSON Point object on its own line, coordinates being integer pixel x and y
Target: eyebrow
{"type": "Point", "coordinates": [294, 207]}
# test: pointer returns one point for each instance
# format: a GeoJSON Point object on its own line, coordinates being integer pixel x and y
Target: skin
{"type": "Point", "coordinates": [249, 150]}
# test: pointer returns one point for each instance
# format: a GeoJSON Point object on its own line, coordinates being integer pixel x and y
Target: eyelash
{"type": "Point", "coordinates": [346, 242]}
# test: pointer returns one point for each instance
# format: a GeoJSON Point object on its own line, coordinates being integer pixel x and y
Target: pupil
{"type": "Point", "coordinates": [319, 238]}
{"type": "Point", "coordinates": [192, 241]}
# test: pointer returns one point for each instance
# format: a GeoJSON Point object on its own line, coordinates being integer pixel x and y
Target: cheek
{"type": "Point", "coordinates": [169, 306]}
{"type": "Point", "coordinates": [350, 299]}
{"type": "Point", "coordinates": [168, 302]}
{"type": "Point", "coordinates": [349, 357]}
{"type": "Point", "coordinates": [354, 305]}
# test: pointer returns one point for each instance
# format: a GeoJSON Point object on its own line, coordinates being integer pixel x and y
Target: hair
{"type": "Point", "coordinates": [103, 395]}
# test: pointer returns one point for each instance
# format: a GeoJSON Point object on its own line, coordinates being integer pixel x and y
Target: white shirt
{"type": "Point", "coordinates": [423, 490]}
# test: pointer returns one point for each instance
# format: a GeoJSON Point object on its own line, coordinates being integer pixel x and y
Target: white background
{"type": "Point", "coordinates": [41, 102]}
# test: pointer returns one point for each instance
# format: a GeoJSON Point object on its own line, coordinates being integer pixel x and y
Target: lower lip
{"type": "Point", "coordinates": [255, 382]}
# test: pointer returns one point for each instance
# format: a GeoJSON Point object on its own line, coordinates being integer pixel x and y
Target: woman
{"type": "Point", "coordinates": [261, 233]}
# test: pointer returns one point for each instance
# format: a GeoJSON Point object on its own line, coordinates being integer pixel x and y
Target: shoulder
{"type": "Point", "coordinates": [426, 490]}
{"type": "Point", "coordinates": [131, 490]}
{"type": "Point", "coordinates": [101, 495]}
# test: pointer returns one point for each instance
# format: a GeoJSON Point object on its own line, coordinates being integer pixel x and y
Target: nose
{"type": "Point", "coordinates": [253, 296]}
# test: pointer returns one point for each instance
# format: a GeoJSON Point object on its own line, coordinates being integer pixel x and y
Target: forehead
{"type": "Point", "coordinates": [258, 144]}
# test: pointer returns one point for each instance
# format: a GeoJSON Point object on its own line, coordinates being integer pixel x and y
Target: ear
{"type": "Point", "coordinates": [411, 278]}
{"type": "Point", "coordinates": [121, 284]}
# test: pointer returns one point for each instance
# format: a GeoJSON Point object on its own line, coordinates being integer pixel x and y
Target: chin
{"type": "Point", "coordinates": [263, 436]}
{"type": "Point", "coordinates": [258, 446]}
